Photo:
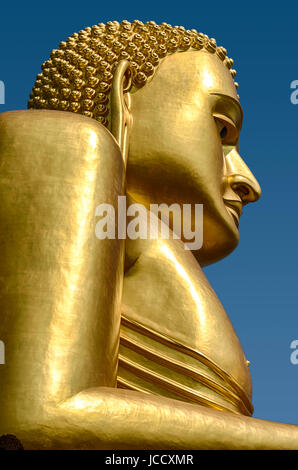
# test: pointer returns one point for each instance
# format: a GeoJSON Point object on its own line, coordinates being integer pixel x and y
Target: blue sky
{"type": "Point", "coordinates": [257, 284]}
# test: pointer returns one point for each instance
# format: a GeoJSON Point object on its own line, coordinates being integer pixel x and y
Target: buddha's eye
{"type": "Point", "coordinates": [223, 132]}
{"type": "Point", "coordinates": [226, 129]}
{"type": "Point", "coordinates": [222, 128]}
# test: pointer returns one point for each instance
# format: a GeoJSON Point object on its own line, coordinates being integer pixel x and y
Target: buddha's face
{"type": "Point", "coordinates": [183, 147]}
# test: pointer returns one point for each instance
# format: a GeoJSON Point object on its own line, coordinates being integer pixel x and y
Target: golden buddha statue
{"type": "Point", "coordinates": [114, 343]}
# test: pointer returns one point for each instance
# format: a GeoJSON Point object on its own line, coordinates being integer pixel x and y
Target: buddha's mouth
{"type": "Point", "coordinates": [235, 209]}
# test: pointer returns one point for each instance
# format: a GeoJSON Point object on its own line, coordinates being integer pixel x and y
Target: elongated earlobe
{"type": "Point", "coordinates": [120, 106]}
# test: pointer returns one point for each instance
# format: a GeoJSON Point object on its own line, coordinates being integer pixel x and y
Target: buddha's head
{"type": "Point", "coordinates": [169, 98]}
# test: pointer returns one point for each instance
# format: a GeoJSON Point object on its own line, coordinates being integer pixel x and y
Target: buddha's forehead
{"type": "Point", "coordinates": [196, 73]}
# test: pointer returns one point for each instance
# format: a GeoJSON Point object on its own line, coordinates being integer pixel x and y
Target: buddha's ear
{"type": "Point", "coordinates": [120, 101]}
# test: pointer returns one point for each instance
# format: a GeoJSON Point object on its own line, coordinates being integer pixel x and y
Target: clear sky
{"type": "Point", "coordinates": [257, 284]}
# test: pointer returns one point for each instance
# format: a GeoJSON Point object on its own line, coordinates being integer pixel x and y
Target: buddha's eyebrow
{"type": "Point", "coordinates": [235, 106]}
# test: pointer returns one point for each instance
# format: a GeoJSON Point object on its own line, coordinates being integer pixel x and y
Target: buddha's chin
{"type": "Point", "coordinates": [218, 246]}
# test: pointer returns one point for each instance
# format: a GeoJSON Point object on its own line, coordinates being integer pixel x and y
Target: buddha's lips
{"type": "Point", "coordinates": [235, 209]}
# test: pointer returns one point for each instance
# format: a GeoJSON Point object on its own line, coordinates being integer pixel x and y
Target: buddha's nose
{"type": "Point", "coordinates": [240, 178]}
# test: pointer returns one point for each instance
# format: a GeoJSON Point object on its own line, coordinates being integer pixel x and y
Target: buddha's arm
{"type": "Point", "coordinates": [156, 422]}
{"type": "Point", "coordinates": [60, 286]}
{"type": "Point", "coordinates": [107, 418]}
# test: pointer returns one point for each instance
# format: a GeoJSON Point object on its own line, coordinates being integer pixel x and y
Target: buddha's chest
{"type": "Point", "coordinates": [176, 338]}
